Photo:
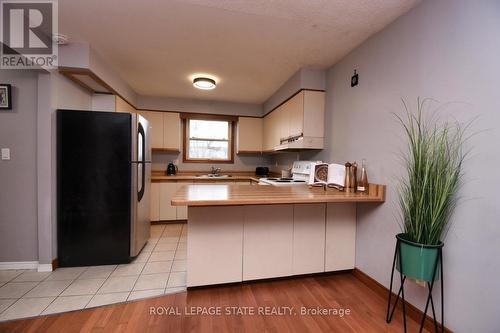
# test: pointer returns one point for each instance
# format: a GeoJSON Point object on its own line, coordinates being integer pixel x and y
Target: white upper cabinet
{"type": "Point", "coordinates": [249, 135]}
{"type": "Point", "coordinates": [155, 120]}
{"type": "Point", "coordinates": [171, 131]}
{"type": "Point", "coordinates": [266, 130]}
{"type": "Point", "coordinates": [295, 111]}
{"type": "Point", "coordinates": [281, 123]}
{"type": "Point", "coordinates": [301, 115]}
{"type": "Point", "coordinates": [271, 132]}
{"type": "Point", "coordinates": [165, 130]}
{"type": "Point", "coordinates": [314, 113]}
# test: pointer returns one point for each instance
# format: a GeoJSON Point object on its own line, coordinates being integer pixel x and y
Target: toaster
{"type": "Point", "coordinates": [262, 171]}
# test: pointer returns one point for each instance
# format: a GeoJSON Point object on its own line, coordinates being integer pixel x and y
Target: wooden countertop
{"type": "Point", "coordinates": [228, 195]}
{"type": "Point", "coordinates": [160, 176]}
{"type": "Point", "coordinates": [159, 179]}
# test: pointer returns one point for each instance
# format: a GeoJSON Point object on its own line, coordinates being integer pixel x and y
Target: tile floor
{"type": "Point", "coordinates": [159, 269]}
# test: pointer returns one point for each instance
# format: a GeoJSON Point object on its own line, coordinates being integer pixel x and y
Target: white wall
{"type": "Point", "coordinates": [448, 50]}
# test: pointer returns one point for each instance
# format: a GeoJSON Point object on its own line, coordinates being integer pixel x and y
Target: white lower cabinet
{"type": "Point", "coordinates": [182, 211]}
{"type": "Point", "coordinates": [155, 202]}
{"type": "Point", "coordinates": [340, 236]}
{"type": "Point", "coordinates": [214, 245]}
{"type": "Point", "coordinates": [161, 197]}
{"type": "Point", "coordinates": [309, 238]}
{"type": "Point", "coordinates": [239, 243]}
{"type": "Point", "coordinates": [267, 241]}
{"type": "Point", "coordinates": [167, 191]}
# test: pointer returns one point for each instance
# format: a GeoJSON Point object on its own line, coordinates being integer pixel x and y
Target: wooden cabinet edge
{"type": "Point", "coordinates": [165, 150]}
{"type": "Point", "coordinates": [248, 152]}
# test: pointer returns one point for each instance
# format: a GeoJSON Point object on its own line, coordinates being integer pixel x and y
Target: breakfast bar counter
{"type": "Point", "coordinates": [227, 195]}
{"type": "Point", "coordinates": [248, 232]}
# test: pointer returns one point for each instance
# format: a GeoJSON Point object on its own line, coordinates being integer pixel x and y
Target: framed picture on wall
{"type": "Point", "coordinates": [5, 97]}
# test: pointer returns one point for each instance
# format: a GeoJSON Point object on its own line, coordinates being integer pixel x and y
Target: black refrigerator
{"type": "Point", "coordinates": [103, 187]}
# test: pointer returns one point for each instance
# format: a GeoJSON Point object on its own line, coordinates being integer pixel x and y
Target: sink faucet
{"type": "Point", "coordinates": [216, 171]}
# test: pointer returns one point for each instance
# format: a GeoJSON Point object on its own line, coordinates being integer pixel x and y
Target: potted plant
{"type": "Point", "coordinates": [427, 198]}
{"type": "Point", "coordinates": [428, 193]}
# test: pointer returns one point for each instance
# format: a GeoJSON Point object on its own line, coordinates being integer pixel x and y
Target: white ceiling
{"type": "Point", "coordinates": [251, 46]}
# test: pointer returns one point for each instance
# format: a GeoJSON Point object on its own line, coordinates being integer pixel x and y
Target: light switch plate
{"type": "Point", "coordinates": [5, 154]}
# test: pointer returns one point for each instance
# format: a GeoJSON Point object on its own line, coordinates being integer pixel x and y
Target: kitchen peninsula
{"type": "Point", "coordinates": [239, 233]}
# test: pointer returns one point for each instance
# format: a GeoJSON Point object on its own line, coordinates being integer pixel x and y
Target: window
{"type": "Point", "coordinates": [208, 140]}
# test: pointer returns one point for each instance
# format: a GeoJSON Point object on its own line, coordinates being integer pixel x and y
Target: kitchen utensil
{"type": "Point", "coordinates": [172, 169]}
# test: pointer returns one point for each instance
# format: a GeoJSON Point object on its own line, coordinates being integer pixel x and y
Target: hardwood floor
{"type": "Point", "coordinates": [339, 291]}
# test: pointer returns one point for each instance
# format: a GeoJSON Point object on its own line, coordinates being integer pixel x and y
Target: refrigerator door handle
{"type": "Point", "coordinates": [142, 140]}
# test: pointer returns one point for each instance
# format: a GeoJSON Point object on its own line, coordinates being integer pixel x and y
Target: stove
{"type": "Point", "coordinates": [300, 176]}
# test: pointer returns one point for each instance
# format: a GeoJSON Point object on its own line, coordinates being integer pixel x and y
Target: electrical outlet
{"type": "Point", "coordinates": [5, 154]}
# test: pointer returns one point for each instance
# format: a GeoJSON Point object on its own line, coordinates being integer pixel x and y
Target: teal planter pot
{"type": "Point", "coordinates": [419, 261]}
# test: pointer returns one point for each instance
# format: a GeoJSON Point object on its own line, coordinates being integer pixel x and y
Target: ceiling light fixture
{"type": "Point", "coordinates": [204, 83]}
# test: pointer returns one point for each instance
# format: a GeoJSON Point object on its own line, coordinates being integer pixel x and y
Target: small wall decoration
{"type": "Point", "coordinates": [5, 97]}
{"type": "Point", "coordinates": [354, 79]}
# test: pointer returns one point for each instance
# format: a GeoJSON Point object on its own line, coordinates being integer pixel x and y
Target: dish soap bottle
{"type": "Point", "coordinates": [363, 180]}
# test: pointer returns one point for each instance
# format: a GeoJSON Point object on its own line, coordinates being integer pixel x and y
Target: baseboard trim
{"type": "Point", "coordinates": [44, 268]}
{"type": "Point", "coordinates": [18, 265]}
{"type": "Point", "coordinates": [273, 279]}
{"type": "Point", "coordinates": [412, 311]}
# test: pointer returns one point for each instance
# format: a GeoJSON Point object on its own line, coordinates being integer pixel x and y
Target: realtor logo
{"type": "Point", "coordinates": [26, 33]}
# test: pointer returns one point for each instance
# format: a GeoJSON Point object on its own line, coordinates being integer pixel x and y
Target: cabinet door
{"type": "Point", "coordinates": [167, 211]}
{"type": "Point", "coordinates": [295, 112]}
{"type": "Point", "coordinates": [171, 131]}
{"type": "Point", "coordinates": [308, 238]}
{"type": "Point", "coordinates": [314, 113]}
{"type": "Point", "coordinates": [266, 129]}
{"type": "Point", "coordinates": [281, 124]}
{"type": "Point", "coordinates": [249, 134]}
{"type": "Point", "coordinates": [340, 236]}
{"type": "Point", "coordinates": [267, 241]}
{"type": "Point", "coordinates": [214, 246]}
{"type": "Point", "coordinates": [156, 123]}
{"type": "Point", "coordinates": [182, 211]}
{"type": "Point", "coordinates": [273, 134]}
{"type": "Point", "coordinates": [155, 201]}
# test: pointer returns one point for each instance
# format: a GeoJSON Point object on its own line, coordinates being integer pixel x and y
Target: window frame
{"type": "Point", "coordinates": [185, 142]}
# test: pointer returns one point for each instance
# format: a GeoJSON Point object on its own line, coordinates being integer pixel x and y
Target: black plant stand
{"type": "Point", "coordinates": [430, 285]}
